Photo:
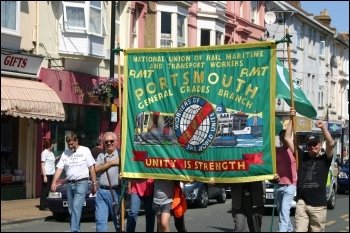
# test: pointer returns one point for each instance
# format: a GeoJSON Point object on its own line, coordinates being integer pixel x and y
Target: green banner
{"type": "Point", "coordinates": [204, 113]}
{"type": "Point", "coordinates": [302, 105]}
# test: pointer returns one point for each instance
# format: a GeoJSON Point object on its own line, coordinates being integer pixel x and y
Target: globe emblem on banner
{"type": "Point", "coordinates": [195, 124]}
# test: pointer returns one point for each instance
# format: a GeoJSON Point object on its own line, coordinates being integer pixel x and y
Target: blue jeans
{"type": "Point", "coordinates": [135, 203]}
{"type": "Point", "coordinates": [76, 193]}
{"type": "Point", "coordinates": [103, 208]}
{"type": "Point", "coordinates": [284, 198]}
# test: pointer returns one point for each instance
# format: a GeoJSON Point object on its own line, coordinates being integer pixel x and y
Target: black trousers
{"type": "Point", "coordinates": [180, 224]}
{"type": "Point", "coordinates": [252, 214]}
{"type": "Point", "coordinates": [45, 189]}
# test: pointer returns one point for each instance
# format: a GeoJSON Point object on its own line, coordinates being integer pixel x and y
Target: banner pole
{"type": "Point", "coordinates": [120, 138]}
{"type": "Point", "coordinates": [291, 87]}
{"type": "Point", "coordinates": [122, 202]}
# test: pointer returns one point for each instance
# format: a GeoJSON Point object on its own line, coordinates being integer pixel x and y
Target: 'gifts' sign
{"type": "Point", "coordinates": [21, 63]}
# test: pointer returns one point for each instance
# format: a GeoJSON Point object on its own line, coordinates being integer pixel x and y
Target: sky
{"type": "Point", "coordinates": [338, 10]}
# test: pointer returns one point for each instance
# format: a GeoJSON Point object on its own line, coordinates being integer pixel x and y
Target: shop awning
{"type": "Point", "coordinates": [30, 99]}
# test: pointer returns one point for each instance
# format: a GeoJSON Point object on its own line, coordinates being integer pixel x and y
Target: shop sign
{"type": "Point", "coordinates": [303, 124]}
{"type": "Point", "coordinates": [86, 93]}
{"type": "Point", "coordinates": [21, 63]}
{"type": "Point", "coordinates": [334, 128]}
{"type": "Point", "coordinates": [114, 113]}
{"type": "Point", "coordinates": [72, 87]}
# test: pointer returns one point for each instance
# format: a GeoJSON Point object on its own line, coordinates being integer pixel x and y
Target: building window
{"type": "Point", "coordinates": [310, 47]}
{"type": "Point", "coordinates": [218, 38]}
{"type": "Point", "coordinates": [332, 94]}
{"type": "Point", "coordinates": [75, 18]}
{"type": "Point", "coordinates": [165, 40]}
{"type": "Point", "coordinates": [173, 28]}
{"type": "Point", "coordinates": [95, 17]}
{"type": "Point", "coordinates": [320, 97]}
{"type": "Point", "coordinates": [299, 36]}
{"type": "Point", "coordinates": [322, 47]}
{"type": "Point", "coordinates": [9, 16]}
{"type": "Point", "coordinates": [254, 12]}
{"type": "Point", "coordinates": [83, 16]}
{"type": "Point", "coordinates": [314, 42]}
{"type": "Point", "coordinates": [205, 37]}
{"type": "Point", "coordinates": [181, 42]}
{"type": "Point", "coordinates": [117, 18]}
{"type": "Point", "coordinates": [135, 28]}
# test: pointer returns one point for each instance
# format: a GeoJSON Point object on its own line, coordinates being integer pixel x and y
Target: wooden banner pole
{"type": "Point", "coordinates": [291, 87]}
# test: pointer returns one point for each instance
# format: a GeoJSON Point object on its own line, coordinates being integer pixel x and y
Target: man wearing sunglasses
{"type": "Point", "coordinates": [107, 165]}
{"type": "Point", "coordinates": [311, 208]}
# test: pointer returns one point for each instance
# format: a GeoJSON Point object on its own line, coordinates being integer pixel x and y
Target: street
{"type": "Point", "coordinates": [215, 218]}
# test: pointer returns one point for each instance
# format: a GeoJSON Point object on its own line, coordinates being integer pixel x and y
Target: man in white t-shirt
{"type": "Point", "coordinates": [77, 162]}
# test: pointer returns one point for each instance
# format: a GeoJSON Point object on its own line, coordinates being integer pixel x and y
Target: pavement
{"type": "Point", "coordinates": [22, 210]}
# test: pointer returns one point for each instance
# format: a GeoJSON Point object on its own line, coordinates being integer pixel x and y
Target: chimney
{"type": "Point", "coordinates": [324, 18]}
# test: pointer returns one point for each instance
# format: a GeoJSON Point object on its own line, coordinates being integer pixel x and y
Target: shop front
{"type": "Point", "coordinates": [25, 102]}
{"type": "Point", "coordinates": [84, 114]}
{"type": "Point", "coordinates": [335, 129]}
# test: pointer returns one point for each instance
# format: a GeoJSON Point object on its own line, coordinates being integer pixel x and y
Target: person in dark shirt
{"type": "Point", "coordinates": [247, 206]}
{"type": "Point", "coordinates": [311, 208]}
{"type": "Point", "coordinates": [97, 149]}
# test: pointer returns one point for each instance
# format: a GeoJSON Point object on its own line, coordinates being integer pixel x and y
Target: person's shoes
{"type": "Point", "coordinates": [43, 208]}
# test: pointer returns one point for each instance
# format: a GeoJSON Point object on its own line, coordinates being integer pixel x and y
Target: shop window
{"type": "Point", "coordinates": [84, 121]}
{"type": "Point", "coordinates": [10, 174]}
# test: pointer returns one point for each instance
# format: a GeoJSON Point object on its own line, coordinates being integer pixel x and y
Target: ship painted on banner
{"type": "Point", "coordinates": [234, 129]}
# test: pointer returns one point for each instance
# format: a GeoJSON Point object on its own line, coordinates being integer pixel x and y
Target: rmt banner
{"type": "Point", "coordinates": [204, 113]}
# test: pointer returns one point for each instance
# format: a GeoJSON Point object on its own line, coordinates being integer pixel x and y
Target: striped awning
{"type": "Point", "coordinates": [30, 99]}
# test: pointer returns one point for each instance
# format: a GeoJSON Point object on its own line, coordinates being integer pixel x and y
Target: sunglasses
{"type": "Point", "coordinates": [109, 141]}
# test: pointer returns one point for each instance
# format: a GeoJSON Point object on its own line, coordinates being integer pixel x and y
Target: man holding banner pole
{"type": "Point", "coordinates": [311, 208]}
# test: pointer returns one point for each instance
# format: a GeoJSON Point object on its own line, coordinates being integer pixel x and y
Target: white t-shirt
{"type": "Point", "coordinates": [49, 159]}
{"type": "Point", "coordinates": [76, 164]}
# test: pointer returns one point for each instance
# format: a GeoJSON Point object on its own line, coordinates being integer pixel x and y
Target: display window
{"type": "Point", "coordinates": [83, 120]}
{"type": "Point", "coordinates": [10, 174]}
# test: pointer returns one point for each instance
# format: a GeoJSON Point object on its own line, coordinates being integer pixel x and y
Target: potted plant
{"type": "Point", "coordinates": [105, 91]}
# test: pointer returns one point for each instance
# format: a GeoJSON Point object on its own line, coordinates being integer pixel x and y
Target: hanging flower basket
{"type": "Point", "coordinates": [105, 91]}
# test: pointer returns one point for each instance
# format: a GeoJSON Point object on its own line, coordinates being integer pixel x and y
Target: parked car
{"type": "Point", "coordinates": [199, 193]}
{"type": "Point", "coordinates": [58, 203]}
{"type": "Point", "coordinates": [343, 178]}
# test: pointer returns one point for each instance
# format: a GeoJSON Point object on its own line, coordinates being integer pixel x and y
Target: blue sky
{"type": "Point", "coordinates": [338, 10]}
